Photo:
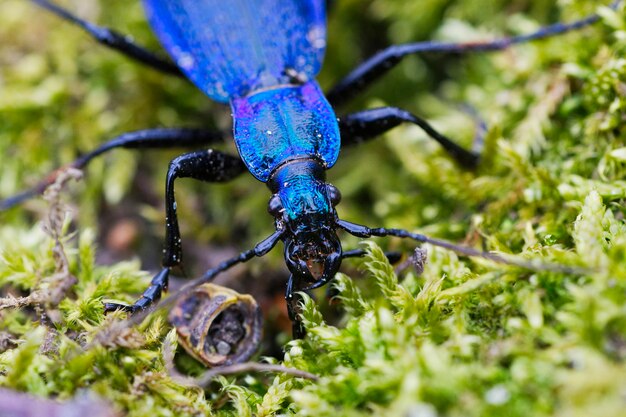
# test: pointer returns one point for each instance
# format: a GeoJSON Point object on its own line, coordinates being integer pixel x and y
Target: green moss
{"type": "Point", "coordinates": [463, 337]}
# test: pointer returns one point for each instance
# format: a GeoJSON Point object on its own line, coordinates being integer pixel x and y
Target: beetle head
{"type": "Point", "coordinates": [315, 257]}
{"type": "Point", "coordinates": [303, 205]}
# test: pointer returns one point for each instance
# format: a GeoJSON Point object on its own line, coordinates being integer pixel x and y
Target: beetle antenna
{"type": "Point", "coordinates": [365, 232]}
{"type": "Point", "coordinates": [392, 256]}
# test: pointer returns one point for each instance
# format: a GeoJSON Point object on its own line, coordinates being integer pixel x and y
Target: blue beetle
{"type": "Point", "coordinates": [261, 57]}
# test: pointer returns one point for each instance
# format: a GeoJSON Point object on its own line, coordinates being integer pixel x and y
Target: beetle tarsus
{"type": "Point", "coordinates": [153, 293]}
{"type": "Point", "coordinates": [110, 307]}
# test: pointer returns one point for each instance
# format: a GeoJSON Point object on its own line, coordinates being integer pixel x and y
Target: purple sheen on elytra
{"type": "Point", "coordinates": [232, 48]}
{"type": "Point", "coordinates": [285, 123]}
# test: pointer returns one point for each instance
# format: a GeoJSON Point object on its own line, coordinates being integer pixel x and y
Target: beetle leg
{"type": "Point", "coordinates": [142, 139]}
{"type": "Point", "coordinates": [378, 65]}
{"type": "Point", "coordinates": [114, 40]}
{"type": "Point", "coordinates": [364, 125]}
{"type": "Point", "coordinates": [159, 282]}
{"type": "Point", "coordinates": [206, 165]}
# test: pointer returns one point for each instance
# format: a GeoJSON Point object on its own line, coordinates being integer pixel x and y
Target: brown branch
{"type": "Point", "coordinates": [53, 289]}
{"type": "Point", "coordinates": [208, 376]}
{"type": "Point", "coordinates": [252, 367]}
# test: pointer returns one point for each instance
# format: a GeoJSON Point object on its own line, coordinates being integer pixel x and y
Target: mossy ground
{"type": "Point", "coordinates": [465, 337]}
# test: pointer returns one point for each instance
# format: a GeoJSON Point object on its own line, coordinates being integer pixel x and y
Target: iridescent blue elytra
{"type": "Point", "coordinates": [260, 56]}
{"type": "Point", "coordinates": [283, 123]}
{"type": "Point", "coordinates": [232, 48]}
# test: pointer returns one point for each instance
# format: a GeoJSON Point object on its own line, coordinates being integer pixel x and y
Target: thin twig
{"type": "Point", "coordinates": [52, 290]}
{"type": "Point", "coordinates": [252, 367]}
{"type": "Point", "coordinates": [208, 376]}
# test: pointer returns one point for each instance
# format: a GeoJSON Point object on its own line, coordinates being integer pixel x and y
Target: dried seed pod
{"type": "Point", "coordinates": [218, 326]}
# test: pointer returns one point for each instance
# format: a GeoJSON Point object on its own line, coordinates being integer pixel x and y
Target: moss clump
{"type": "Point", "coordinates": [463, 337]}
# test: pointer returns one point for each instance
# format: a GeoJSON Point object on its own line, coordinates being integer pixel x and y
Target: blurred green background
{"type": "Point", "coordinates": [554, 110]}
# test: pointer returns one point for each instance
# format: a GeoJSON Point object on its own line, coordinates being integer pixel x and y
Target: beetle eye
{"type": "Point", "coordinates": [275, 206]}
{"type": "Point", "coordinates": [334, 194]}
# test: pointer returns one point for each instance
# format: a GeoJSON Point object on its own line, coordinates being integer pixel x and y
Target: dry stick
{"type": "Point", "coordinates": [62, 280]}
{"type": "Point", "coordinates": [54, 228]}
{"type": "Point", "coordinates": [208, 376]}
{"type": "Point", "coordinates": [252, 367]}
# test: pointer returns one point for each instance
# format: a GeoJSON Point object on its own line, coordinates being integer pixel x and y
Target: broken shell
{"type": "Point", "coordinates": [218, 326]}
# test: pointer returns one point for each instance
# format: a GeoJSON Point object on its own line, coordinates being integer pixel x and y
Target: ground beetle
{"type": "Point", "coordinates": [261, 57]}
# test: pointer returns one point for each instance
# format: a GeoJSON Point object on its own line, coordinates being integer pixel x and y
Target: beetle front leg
{"type": "Point", "coordinates": [209, 166]}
